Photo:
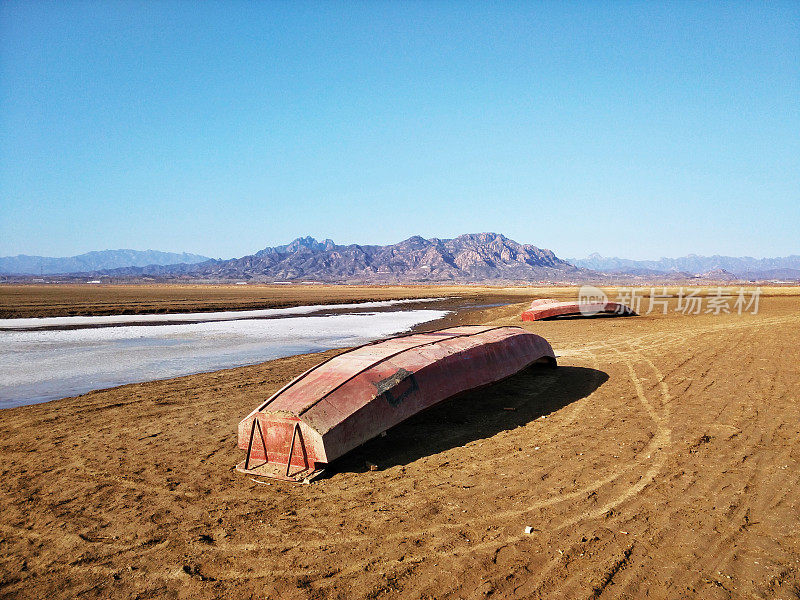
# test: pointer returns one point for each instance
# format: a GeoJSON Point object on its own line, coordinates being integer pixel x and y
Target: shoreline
{"type": "Point", "coordinates": [66, 323]}
{"type": "Point", "coordinates": [37, 301]}
{"type": "Point", "coordinates": [457, 313]}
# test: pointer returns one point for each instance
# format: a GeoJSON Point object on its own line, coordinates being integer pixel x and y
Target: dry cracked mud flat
{"type": "Point", "coordinates": [661, 459]}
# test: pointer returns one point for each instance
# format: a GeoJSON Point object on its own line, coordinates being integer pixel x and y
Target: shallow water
{"type": "Point", "coordinates": [41, 323]}
{"type": "Point", "coordinates": [41, 365]}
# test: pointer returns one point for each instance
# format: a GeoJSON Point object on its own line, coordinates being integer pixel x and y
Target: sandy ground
{"type": "Point", "coordinates": [661, 459]}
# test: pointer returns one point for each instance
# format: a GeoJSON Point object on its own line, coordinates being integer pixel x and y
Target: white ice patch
{"type": "Point", "coordinates": [197, 317]}
{"type": "Point", "coordinates": [36, 366]}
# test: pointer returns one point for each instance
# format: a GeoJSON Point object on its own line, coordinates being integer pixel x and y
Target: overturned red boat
{"type": "Point", "coordinates": [348, 399]}
{"type": "Point", "coordinates": [548, 308]}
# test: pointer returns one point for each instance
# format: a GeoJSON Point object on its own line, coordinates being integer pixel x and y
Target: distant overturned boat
{"type": "Point", "coordinates": [548, 308]}
{"type": "Point", "coordinates": [346, 400]}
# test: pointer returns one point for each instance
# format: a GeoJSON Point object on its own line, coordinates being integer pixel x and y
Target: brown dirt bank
{"type": "Point", "coordinates": [662, 458]}
{"type": "Point", "coordinates": [57, 300]}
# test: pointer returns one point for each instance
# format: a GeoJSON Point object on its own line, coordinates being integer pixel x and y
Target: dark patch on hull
{"type": "Point", "coordinates": [397, 387]}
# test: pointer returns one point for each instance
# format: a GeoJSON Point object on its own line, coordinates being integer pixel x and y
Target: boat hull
{"type": "Point", "coordinates": [548, 309]}
{"type": "Point", "coordinates": [340, 404]}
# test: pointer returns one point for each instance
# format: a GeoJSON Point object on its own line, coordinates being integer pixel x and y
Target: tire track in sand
{"type": "Point", "coordinates": [661, 440]}
{"type": "Point", "coordinates": [718, 549]}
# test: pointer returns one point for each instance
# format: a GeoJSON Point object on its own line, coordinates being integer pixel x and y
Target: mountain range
{"type": "Point", "coordinates": [23, 264]}
{"type": "Point", "coordinates": [731, 267]}
{"type": "Point", "coordinates": [466, 258]}
{"type": "Point", "coordinates": [475, 257]}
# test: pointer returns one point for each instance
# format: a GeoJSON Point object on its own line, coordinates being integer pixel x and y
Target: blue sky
{"type": "Point", "coordinates": [637, 129]}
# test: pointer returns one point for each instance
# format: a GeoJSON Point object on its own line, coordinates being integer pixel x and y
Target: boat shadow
{"type": "Point", "coordinates": [585, 317]}
{"type": "Point", "coordinates": [473, 415]}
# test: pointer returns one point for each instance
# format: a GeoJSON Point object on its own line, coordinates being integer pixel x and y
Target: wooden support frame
{"type": "Point", "coordinates": [250, 443]}
{"type": "Point", "coordinates": [296, 432]}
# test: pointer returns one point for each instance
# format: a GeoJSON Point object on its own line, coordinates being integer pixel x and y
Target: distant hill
{"type": "Point", "coordinates": [474, 257]}
{"type": "Point", "coordinates": [745, 267]}
{"type": "Point", "coordinates": [92, 261]}
{"type": "Point", "coordinates": [467, 258]}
